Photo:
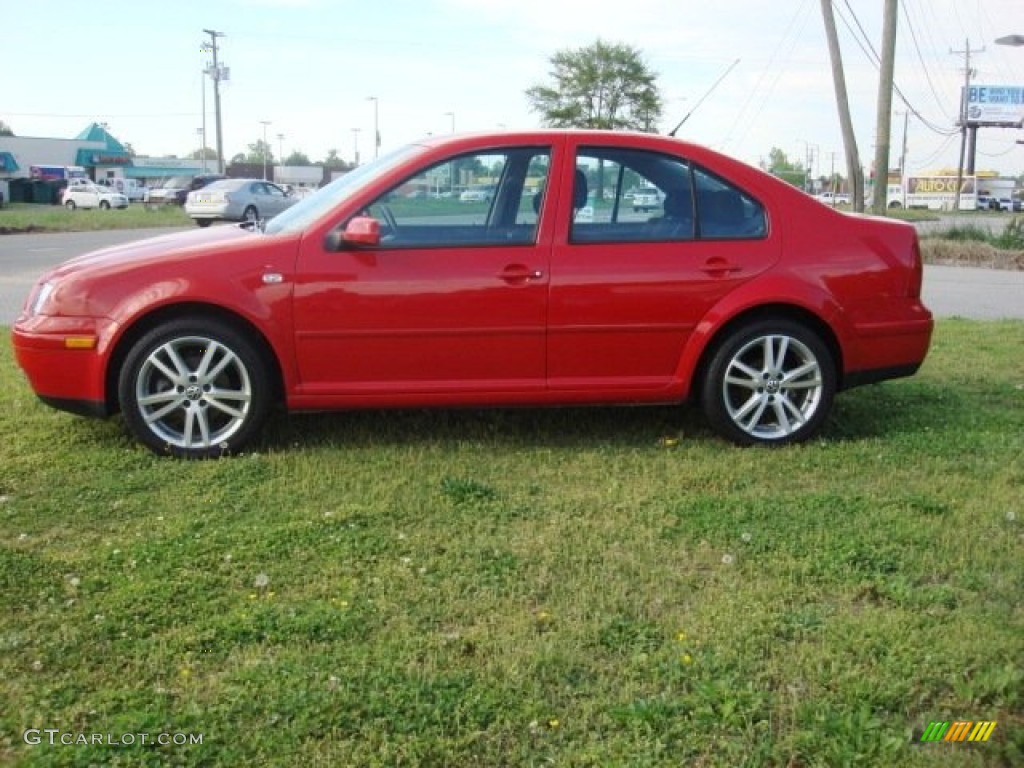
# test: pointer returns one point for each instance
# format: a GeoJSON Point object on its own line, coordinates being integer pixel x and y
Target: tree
{"type": "Point", "coordinates": [779, 161]}
{"type": "Point", "coordinates": [210, 152]}
{"type": "Point", "coordinates": [603, 85]}
{"type": "Point", "coordinates": [780, 165]}
{"type": "Point", "coordinates": [258, 152]}
{"type": "Point", "coordinates": [333, 160]}
{"type": "Point", "coordinates": [297, 158]}
{"type": "Point", "coordinates": [5, 129]}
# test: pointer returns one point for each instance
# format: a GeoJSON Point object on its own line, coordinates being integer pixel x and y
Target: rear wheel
{"type": "Point", "coordinates": [195, 389]}
{"type": "Point", "coordinates": [203, 222]}
{"type": "Point", "coordinates": [104, 205]}
{"type": "Point", "coordinates": [769, 382]}
{"type": "Point", "coordinates": [70, 205]}
{"type": "Point", "coordinates": [251, 215]}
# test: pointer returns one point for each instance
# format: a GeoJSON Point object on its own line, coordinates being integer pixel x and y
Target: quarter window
{"type": "Point", "coordinates": [724, 212]}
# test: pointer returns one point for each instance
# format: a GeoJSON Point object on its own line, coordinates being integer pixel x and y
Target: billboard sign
{"type": "Point", "coordinates": [995, 105]}
{"type": "Point", "coordinates": [939, 185]}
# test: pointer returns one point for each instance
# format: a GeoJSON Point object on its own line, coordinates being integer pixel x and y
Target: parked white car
{"type": "Point", "coordinates": [92, 196]}
{"type": "Point", "coordinates": [646, 199]}
{"type": "Point", "coordinates": [834, 198]}
{"type": "Point", "coordinates": [130, 188]}
{"type": "Point", "coordinates": [477, 195]}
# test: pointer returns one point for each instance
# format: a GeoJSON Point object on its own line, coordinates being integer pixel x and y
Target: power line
{"type": "Point", "coordinates": [924, 67]}
{"type": "Point", "coordinates": [869, 52]}
{"type": "Point", "coordinates": [759, 89]}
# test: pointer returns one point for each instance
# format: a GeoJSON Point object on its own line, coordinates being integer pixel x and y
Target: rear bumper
{"type": "Point", "coordinates": [860, 378]}
{"type": "Point", "coordinates": [889, 350]}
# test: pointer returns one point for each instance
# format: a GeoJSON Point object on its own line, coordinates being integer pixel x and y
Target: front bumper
{"type": "Point", "coordinates": [65, 361]}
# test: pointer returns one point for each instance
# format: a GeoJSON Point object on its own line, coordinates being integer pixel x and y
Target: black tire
{"type": "Point", "coordinates": [251, 215]}
{"type": "Point", "coordinates": [203, 222]}
{"type": "Point", "coordinates": [70, 205]}
{"type": "Point", "coordinates": [104, 205]}
{"type": "Point", "coordinates": [770, 382]}
{"type": "Point", "coordinates": [195, 389]}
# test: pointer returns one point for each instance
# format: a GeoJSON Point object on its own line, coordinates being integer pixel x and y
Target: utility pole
{"type": "Point", "coordinates": [883, 120]}
{"type": "Point", "coordinates": [376, 125]}
{"type": "Point", "coordinates": [853, 169]}
{"type": "Point", "coordinates": [217, 76]}
{"type": "Point", "coordinates": [903, 151]}
{"type": "Point", "coordinates": [202, 131]}
{"type": "Point", "coordinates": [966, 52]}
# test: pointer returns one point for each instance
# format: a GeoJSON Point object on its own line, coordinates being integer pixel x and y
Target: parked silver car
{"type": "Point", "coordinates": [237, 200]}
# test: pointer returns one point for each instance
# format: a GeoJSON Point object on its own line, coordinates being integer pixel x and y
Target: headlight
{"type": "Point", "coordinates": [41, 297]}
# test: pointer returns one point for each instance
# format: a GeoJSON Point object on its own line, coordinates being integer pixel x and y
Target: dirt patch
{"type": "Point", "coordinates": [969, 254]}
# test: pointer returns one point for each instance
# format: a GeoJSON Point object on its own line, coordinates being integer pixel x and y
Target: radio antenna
{"type": "Point", "coordinates": [701, 99]}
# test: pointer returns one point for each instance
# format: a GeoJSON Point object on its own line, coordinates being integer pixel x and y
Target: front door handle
{"type": "Point", "coordinates": [517, 274]}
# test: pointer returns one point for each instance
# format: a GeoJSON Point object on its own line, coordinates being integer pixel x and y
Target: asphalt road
{"type": "Point", "coordinates": [984, 294]}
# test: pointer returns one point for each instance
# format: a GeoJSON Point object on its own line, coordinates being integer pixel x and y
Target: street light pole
{"type": "Point", "coordinates": [266, 147]}
{"type": "Point", "coordinates": [452, 116]}
{"type": "Point", "coordinates": [355, 144]}
{"type": "Point", "coordinates": [280, 148]}
{"type": "Point", "coordinates": [376, 125]}
{"type": "Point", "coordinates": [202, 130]}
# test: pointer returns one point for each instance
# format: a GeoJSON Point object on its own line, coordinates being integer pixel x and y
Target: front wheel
{"type": "Point", "coordinates": [104, 205]}
{"type": "Point", "coordinates": [770, 382]}
{"type": "Point", "coordinates": [194, 389]}
{"type": "Point", "coordinates": [70, 205]}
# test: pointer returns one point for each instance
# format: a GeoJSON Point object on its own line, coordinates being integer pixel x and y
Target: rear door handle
{"type": "Point", "coordinates": [719, 267]}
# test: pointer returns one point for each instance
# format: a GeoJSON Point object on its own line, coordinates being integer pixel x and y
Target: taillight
{"type": "Point", "coordinates": [916, 272]}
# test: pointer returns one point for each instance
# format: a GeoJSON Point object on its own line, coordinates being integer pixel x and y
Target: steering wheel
{"type": "Point", "coordinates": [389, 219]}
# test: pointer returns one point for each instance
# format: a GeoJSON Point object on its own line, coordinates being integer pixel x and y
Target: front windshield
{"type": "Point", "coordinates": [309, 209]}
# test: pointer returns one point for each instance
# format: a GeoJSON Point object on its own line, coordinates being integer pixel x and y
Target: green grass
{"type": "Point", "coordinates": [569, 587]}
{"type": "Point", "coordinates": [25, 217]}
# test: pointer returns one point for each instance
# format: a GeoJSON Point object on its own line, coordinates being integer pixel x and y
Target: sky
{"type": "Point", "coordinates": [309, 67]}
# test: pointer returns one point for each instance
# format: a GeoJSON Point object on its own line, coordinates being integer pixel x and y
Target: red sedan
{"type": "Point", "coordinates": [738, 292]}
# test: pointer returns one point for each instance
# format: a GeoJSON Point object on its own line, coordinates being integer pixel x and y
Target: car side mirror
{"type": "Point", "coordinates": [360, 231]}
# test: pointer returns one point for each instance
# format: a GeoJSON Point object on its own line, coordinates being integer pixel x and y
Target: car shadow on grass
{"type": "Point", "coordinates": [876, 411]}
{"type": "Point", "coordinates": [508, 427]}
{"type": "Point", "coordinates": [894, 408]}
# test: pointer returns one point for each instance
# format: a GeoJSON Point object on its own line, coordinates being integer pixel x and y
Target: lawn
{"type": "Point", "coordinates": [569, 587]}
{"type": "Point", "coordinates": [24, 217]}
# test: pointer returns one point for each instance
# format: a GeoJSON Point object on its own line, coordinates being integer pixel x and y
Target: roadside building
{"type": "Point", "coordinates": [95, 149]}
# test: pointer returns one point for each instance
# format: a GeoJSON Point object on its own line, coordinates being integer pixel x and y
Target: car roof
{"type": "Point", "coordinates": [232, 183]}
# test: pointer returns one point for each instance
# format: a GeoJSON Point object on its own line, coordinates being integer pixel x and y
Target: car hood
{"type": "Point", "coordinates": [160, 248]}
{"type": "Point", "coordinates": [199, 265]}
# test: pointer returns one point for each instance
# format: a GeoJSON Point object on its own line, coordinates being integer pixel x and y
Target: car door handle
{"type": "Point", "coordinates": [516, 274]}
{"type": "Point", "coordinates": [719, 267]}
